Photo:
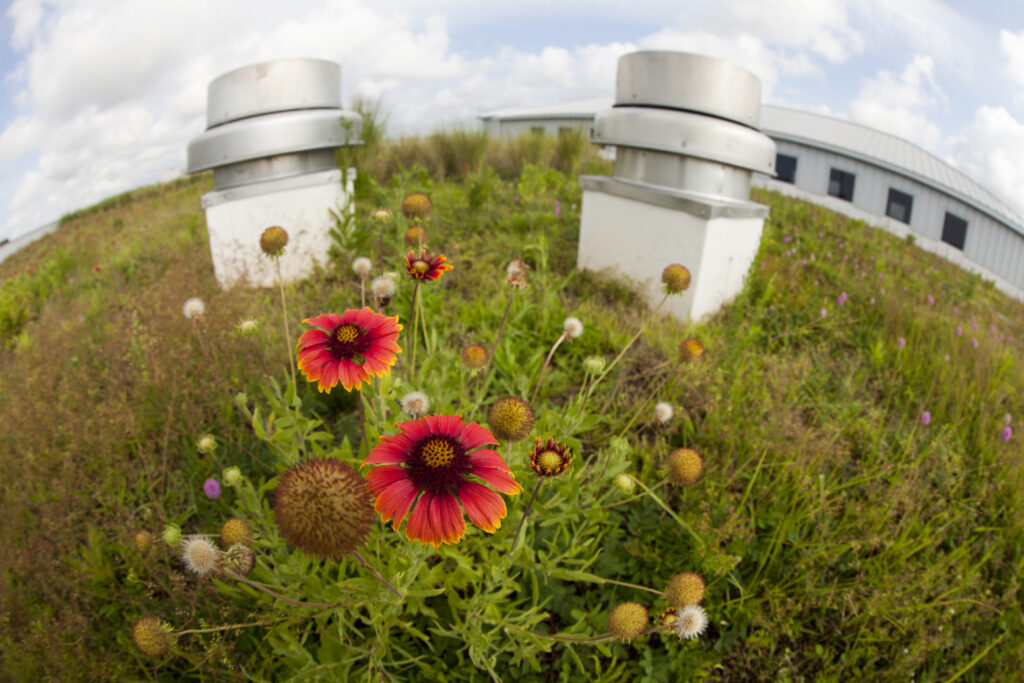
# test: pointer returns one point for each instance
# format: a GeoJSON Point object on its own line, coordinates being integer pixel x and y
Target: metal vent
{"type": "Point", "coordinates": [686, 122]}
{"type": "Point", "coordinates": [273, 120]}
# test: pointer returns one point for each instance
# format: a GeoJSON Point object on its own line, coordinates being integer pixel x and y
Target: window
{"type": "Point", "coordinates": [785, 167]}
{"type": "Point", "coordinates": [840, 184]}
{"type": "Point", "coordinates": [954, 231]}
{"type": "Point", "coordinates": [899, 206]}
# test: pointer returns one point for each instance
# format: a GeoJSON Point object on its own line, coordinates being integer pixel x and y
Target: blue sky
{"type": "Point", "coordinates": [99, 96]}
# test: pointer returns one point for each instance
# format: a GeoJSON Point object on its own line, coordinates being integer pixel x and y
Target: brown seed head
{"type": "Point", "coordinates": [627, 621]}
{"type": "Point", "coordinates": [510, 418]}
{"type": "Point", "coordinates": [686, 588]}
{"type": "Point", "coordinates": [322, 508]}
{"type": "Point", "coordinates": [273, 241]}
{"type": "Point", "coordinates": [415, 236]}
{"type": "Point", "coordinates": [234, 531]}
{"type": "Point", "coordinates": [143, 541]}
{"type": "Point", "coordinates": [474, 356]}
{"type": "Point", "coordinates": [416, 205]}
{"type": "Point", "coordinates": [240, 559]}
{"type": "Point", "coordinates": [676, 278]}
{"type": "Point", "coordinates": [151, 637]}
{"type": "Point", "coordinates": [684, 466]}
{"type": "Point", "coordinates": [691, 350]}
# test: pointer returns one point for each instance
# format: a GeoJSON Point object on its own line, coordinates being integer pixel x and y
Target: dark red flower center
{"type": "Point", "coordinates": [438, 464]}
{"type": "Point", "coordinates": [349, 341]}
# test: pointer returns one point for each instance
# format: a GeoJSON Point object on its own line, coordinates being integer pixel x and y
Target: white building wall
{"type": "Point", "coordinates": [997, 250]}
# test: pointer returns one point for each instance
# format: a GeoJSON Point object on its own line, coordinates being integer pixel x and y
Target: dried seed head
{"type": "Point", "coordinates": [151, 637]}
{"type": "Point", "coordinates": [691, 350]}
{"type": "Point", "coordinates": [193, 308]}
{"type": "Point", "coordinates": [383, 289]}
{"type": "Point", "coordinates": [273, 241]}
{"type": "Point", "coordinates": [625, 483]}
{"type": "Point", "coordinates": [415, 404]}
{"type": "Point", "coordinates": [510, 418]}
{"type": "Point", "coordinates": [686, 588]}
{"type": "Point", "coordinates": [627, 621]}
{"type": "Point", "coordinates": [415, 236]}
{"type": "Point", "coordinates": [676, 278]}
{"type": "Point", "coordinates": [572, 327]}
{"type": "Point", "coordinates": [200, 556]}
{"type": "Point", "coordinates": [518, 272]}
{"type": "Point", "coordinates": [361, 267]}
{"type": "Point", "coordinates": [143, 541]}
{"type": "Point", "coordinates": [690, 622]}
{"type": "Point", "coordinates": [248, 328]}
{"type": "Point", "coordinates": [684, 466]}
{"type": "Point", "coordinates": [381, 215]}
{"type": "Point", "coordinates": [416, 205]}
{"type": "Point", "coordinates": [322, 508]}
{"type": "Point", "coordinates": [207, 444]}
{"type": "Point", "coordinates": [240, 559]}
{"type": "Point", "coordinates": [663, 412]}
{"type": "Point", "coordinates": [234, 531]}
{"type": "Point", "coordinates": [474, 356]}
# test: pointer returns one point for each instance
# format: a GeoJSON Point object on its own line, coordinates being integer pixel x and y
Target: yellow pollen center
{"type": "Point", "coordinates": [549, 460]}
{"type": "Point", "coordinates": [437, 453]}
{"type": "Point", "coordinates": [420, 266]}
{"type": "Point", "coordinates": [347, 333]}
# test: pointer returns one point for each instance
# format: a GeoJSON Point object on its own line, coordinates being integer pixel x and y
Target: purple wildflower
{"type": "Point", "coordinates": [557, 211]}
{"type": "Point", "coordinates": [841, 299]}
{"type": "Point", "coordinates": [959, 330]}
{"type": "Point", "coordinates": [901, 342]}
{"type": "Point", "coordinates": [931, 300]}
{"type": "Point", "coordinates": [787, 239]}
{"type": "Point", "coordinates": [1007, 433]}
{"type": "Point", "coordinates": [824, 312]}
{"type": "Point", "coordinates": [974, 342]}
{"type": "Point", "coordinates": [926, 418]}
{"type": "Point", "coordinates": [211, 487]}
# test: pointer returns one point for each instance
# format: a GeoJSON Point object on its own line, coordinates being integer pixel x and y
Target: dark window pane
{"type": "Point", "coordinates": [840, 184]}
{"type": "Point", "coordinates": [954, 231]}
{"type": "Point", "coordinates": [785, 167]}
{"type": "Point", "coordinates": [899, 205]}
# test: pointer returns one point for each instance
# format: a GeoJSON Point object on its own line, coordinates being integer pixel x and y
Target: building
{"type": "Point", "coordinates": [860, 172]}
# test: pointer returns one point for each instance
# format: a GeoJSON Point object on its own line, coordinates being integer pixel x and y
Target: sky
{"type": "Point", "coordinates": [100, 96]}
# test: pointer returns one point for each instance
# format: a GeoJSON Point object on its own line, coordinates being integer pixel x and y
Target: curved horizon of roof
{"type": "Point", "coordinates": [828, 133]}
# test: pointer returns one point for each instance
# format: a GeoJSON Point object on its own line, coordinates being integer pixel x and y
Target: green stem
{"type": "Point", "coordinates": [544, 368]}
{"type": "Point", "coordinates": [578, 639]}
{"type": "Point", "coordinates": [515, 539]}
{"type": "Point", "coordinates": [274, 594]}
{"type": "Point", "coordinates": [598, 579]}
{"type": "Point", "coordinates": [378, 575]}
{"type": "Point", "coordinates": [411, 336]}
{"type": "Point", "coordinates": [670, 511]}
{"type": "Point", "coordinates": [284, 313]}
{"type": "Point", "coordinates": [501, 327]}
{"type": "Point", "coordinates": [628, 345]}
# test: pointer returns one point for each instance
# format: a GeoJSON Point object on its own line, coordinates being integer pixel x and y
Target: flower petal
{"type": "Point", "coordinates": [485, 457]}
{"type": "Point", "coordinates": [386, 452]}
{"type": "Point", "coordinates": [418, 527]}
{"type": "Point", "coordinates": [446, 517]}
{"type": "Point", "coordinates": [394, 502]}
{"type": "Point", "coordinates": [484, 507]}
{"type": "Point", "coordinates": [379, 478]}
{"type": "Point", "coordinates": [501, 481]}
{"type": "Point", "coordinates": [475, 436]}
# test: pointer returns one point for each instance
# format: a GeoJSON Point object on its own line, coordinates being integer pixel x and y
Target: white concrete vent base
{"type": "Point", "coordinates": [236, 217]}
{"type": "Point", "coordinates": [638, 235]}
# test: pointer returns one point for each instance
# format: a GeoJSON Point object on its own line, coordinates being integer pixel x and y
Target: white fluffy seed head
{"type": "Point", "coordinates": [193, 308]}
{"type": "Point", "coordinates": [383, 287]}
{"type": "Point", "coordinates": [572, 328]}
{"type": "Point", "coordinates": [663, 412]}
{"type": "Point", "coordinates": [690, 622]}
{"type": "Point", "coordinates": [415, 404]}
{"type": "Point", "coordinates": [361, 267]}
{"type": "Point", "coordinates": [200, 556]}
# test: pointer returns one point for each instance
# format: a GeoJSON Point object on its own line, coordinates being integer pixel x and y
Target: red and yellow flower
{"type": "Point", "coordinates": [426, 266]}
{"type": "Point", "coordinates": [427, 469]}
{"type": "Point", "coordinates": [349, 348]}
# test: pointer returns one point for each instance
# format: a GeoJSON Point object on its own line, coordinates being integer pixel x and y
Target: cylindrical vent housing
{"type": "Point", "coordinates": [273, 120]}
{"type": "Point", "coordinates": [688, 122]}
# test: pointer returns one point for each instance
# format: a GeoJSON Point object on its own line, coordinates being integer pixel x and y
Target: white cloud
{"type": "Point", "coordinates": [900, 104]}
{"type": "Point", "coordinates": [991, 150]}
